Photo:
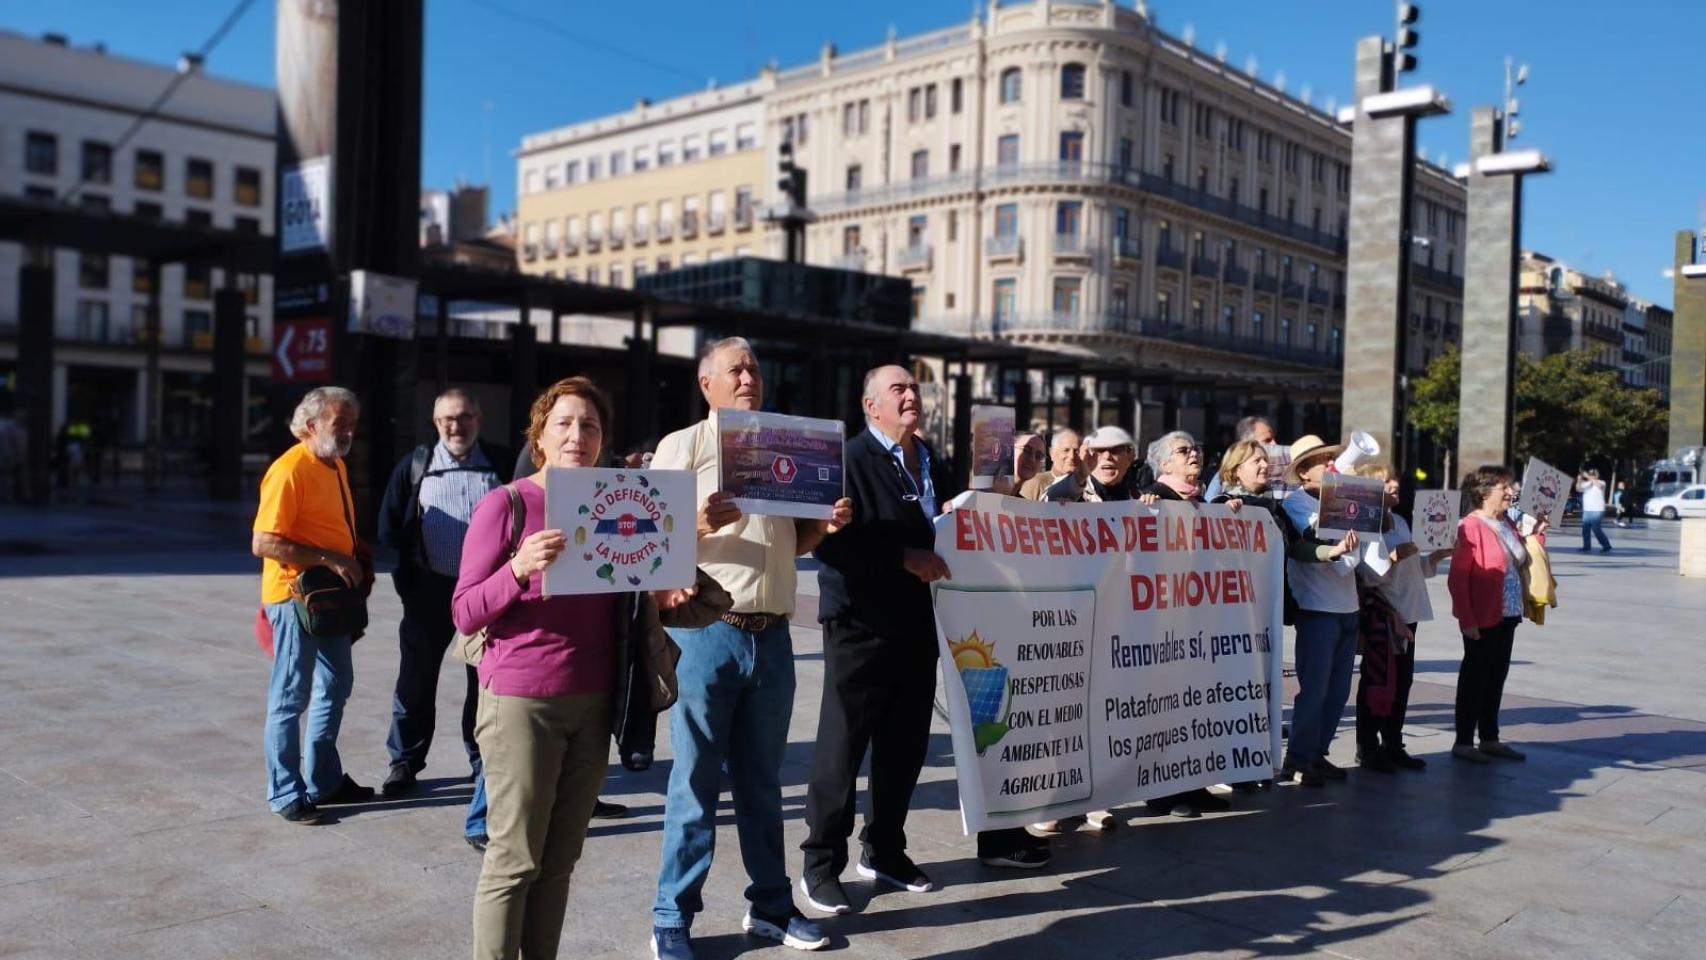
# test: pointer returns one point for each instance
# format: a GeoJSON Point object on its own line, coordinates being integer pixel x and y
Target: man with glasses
{"type": "Point", "coordinates": [424, 516]}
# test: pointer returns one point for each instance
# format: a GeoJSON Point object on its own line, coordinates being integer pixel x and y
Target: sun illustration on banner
{"type": "Point", "coordinates": [985, 683]}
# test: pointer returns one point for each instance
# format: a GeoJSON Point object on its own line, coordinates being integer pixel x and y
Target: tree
{"type": "Point", "coordinates": [1569, 411]}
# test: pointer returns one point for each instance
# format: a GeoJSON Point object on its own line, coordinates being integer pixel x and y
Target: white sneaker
{"type": "Point", "coordinates": [1102, 820]}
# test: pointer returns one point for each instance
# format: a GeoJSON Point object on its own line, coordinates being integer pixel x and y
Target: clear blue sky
{"type": "Point", "coordinates": [1613, 94]}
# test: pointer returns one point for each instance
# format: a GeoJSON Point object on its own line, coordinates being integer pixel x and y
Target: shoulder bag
{"type": "Point", "coordinates": [470, 648]}
{"type": "Point", "coordinates": [326, 606]}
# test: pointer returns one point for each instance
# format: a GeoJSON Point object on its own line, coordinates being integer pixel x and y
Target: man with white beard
{"type": "Point", "coordinates": [428, 502]}
{"type": "Point", "coordinates": [306, 520]}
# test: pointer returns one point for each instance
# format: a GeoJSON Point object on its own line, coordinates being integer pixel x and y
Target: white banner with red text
{"type": "Point", "coordinates": [1096, 655]}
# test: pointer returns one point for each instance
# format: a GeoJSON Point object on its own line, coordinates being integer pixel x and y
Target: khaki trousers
{"type": "Point", "coordinates": [544, 763]}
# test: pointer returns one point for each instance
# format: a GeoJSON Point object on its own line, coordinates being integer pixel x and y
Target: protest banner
{"type": "Point", "coordinates": [779, 465]}
{"type": "Point", "coordinates": [1545, 490]}
{"type": "Point", "coordinates": [1351, 503]}
{"type": "Point", "coordinates": [627, 530]}
{"type": "Point", "coordinates": [1433, 522]}
{"type": "Point", "coordinates": [1101, 654]}
{"type": "Point", "coordinates": [991, 444]}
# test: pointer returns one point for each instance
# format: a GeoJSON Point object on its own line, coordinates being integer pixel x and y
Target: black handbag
{"type": "Point", "coordinates": [326, 606]}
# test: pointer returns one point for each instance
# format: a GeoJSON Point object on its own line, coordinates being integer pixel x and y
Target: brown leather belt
{"type": "Point", "coordinates": [753, 622]}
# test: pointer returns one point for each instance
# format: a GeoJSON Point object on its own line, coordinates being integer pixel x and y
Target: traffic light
{"type": "Point", "coordinates": [792, 182]}
{"type": "Point", "coordinates": [1408, 37]}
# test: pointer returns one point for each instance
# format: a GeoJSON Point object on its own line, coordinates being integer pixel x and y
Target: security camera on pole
{"type": "Point", "coordinates": [1486, 405]}
{"type": "Point", "coordinates": [1383, 153]}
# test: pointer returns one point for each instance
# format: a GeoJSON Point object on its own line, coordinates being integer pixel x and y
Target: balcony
{"type": "Point", "coordinates": [1202, 266]}
{"type": "Point", "coordinates": [849, 261]}
{"type": "Point", "coordinates": [618, 236]}
{"type": "Point", "coordinates": [1291, 290]}
{"type": "Point", "coordinates": [689, 224]}
{"type": "Point", "coordinates": [1266, 282]}
{"type": "Point", "coordinates": [1128, 250]}
{"type": "Point", "coordinates": [1170, 258]}
{"type": "Point", "coordinates": [1061, 322]}
{"type": "Point", "coordinates": [665, 230]}
{"type": "Point", "coordinates": [1070, 246]}
{"type": "Point", "coordinates": [1234, 274]}
{"type": "Point", "coordinates": [1428, 276]}
{"type": "Point", "coordinates": [642, 234]}
{"type": "Point", "coordinates": [1320, 295]}
{"type": "Point", "coordinates": [571, 246]}
{"type": "Point", "coordinates": [1612, 332]}
{"type": "Point", "coordinates": [1004, 247]}
{"type": "Point", "coordinates": [551, 249]}
{"type": "Point", "coordinates": [595, 240]}
{"type": "Point", "coordinates": [743, 217]}
{"type": "Point", "coordinates": [914, 259]}
{"type": "Point", "coordinates": [716, 223]}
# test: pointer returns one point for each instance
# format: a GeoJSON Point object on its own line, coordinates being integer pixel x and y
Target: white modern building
{"type": "Point", "coordinates": [205, 158]}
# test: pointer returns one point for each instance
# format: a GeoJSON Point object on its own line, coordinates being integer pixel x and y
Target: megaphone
{"type": "Point", "coordinates": [1361, 447]}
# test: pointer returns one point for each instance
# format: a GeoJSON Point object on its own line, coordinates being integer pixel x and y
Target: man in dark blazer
{"type": "Point", "coordinates": [879, 643]}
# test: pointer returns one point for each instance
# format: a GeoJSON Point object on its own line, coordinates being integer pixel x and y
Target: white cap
{"type": "Point", "coordinates": [1108, 438]}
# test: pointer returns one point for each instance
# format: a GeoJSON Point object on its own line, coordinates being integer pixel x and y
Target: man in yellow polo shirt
{"type": "Point", "coordinates": [307, 519]}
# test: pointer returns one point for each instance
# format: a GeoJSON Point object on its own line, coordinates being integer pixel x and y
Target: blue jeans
{"type": "Point", "coordinates": [1326, 654]}
{"type": "Point", "coordinates": [737, 695]}
{"type": "Point", "coordinates": [312, 675]}
{"type": "Point", "coordinates": [474, 825]}
{"type": "Point", "coordinates": [1592, 526]}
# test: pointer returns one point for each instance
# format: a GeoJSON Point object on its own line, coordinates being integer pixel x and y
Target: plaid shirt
{"type": "Point", "coordinates": [450, 490]}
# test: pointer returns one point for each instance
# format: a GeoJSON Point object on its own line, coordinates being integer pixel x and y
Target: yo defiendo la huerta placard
{"type": "Point", "coordinates": [627, 530]}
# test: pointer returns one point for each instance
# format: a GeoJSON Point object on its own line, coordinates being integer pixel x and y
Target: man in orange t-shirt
{"type": "Point", "coordinates": [307, 519]}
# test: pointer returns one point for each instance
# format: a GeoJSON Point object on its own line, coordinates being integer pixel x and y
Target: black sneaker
{"type": "Point", "coordinates": [895, 869]}
{"type": "Point", "coordinates": [399, 781]}
{"type": "Point", "coordinates": [300, 811]}
{"type": "Point", "coordinates": [1303, 773]}
{"type": "Point", "coordinates": [605, 810]}
{"type": "Point", "coordinates": [1375, 759]}
{"type": "Point", "coordinates": [825, 895]}
{"type": "Point", "coordinates": [348, 792]}
{"type": "Point", "coordinates": [1024, 858]}
{"type": "Point", "coordinates": [1329, 769]}
{"type": "Point", "coordinates": [478, 841]}
{"type": "Point", "coordinates": [1208, 802]}
{"type": "Point", "coordinates": [1402, 757]}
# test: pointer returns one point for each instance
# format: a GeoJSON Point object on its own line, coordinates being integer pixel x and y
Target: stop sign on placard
{"type": "Point", "coordinates": [783, 468]}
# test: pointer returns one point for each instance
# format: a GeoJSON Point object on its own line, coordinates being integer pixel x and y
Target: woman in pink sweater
{"type": "Point", "coordinates": [1486, 584]}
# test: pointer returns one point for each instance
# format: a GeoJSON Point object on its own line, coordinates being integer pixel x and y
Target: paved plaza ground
{"type": "Point", "coordinates": [133, 822]}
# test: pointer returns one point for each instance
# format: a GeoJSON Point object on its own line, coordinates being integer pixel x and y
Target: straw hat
{"type": "Point", "coordinates": [1305, 450]}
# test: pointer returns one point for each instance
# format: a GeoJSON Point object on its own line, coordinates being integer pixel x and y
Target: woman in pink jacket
{"type": "Point", "coordinates": [1486, 585]}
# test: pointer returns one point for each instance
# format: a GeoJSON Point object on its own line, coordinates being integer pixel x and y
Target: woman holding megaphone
{"type": "Point", "coordinates": [1321, 583]}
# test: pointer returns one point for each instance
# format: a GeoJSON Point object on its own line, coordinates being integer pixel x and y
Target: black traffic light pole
{"type": "Point", "coordinates": [792, 215]}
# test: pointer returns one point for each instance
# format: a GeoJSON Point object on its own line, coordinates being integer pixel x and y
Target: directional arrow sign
{"type": "Point", "coordinates": [304, 351]}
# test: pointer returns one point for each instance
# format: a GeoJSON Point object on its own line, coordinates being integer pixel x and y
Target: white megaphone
{"type": "Point", "coordinates": [1361, 447]}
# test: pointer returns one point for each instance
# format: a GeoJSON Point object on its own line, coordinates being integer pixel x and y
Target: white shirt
{"type": "Point", "coordinates": [1328, 586]}
{"type": "Point", "coordinates": [1593, 497]}
{"type": "Point", "coordinates": [1403, 583]}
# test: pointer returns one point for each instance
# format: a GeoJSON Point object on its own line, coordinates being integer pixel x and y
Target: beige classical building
{"type": "Point", "coordinates": [1561, 309]}
{"type": "Point", "coordinates": [1060, 173]}
{"type": "Point", "coordinates": [656, 187]}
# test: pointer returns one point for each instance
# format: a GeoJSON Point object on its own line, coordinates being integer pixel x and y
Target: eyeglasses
{"type": "Point", "coordinates": [1106, 452]}
{"type": "Point", "coordinates": [459, 418]}
{"type": "Point", "coordinates": [1186, 451]}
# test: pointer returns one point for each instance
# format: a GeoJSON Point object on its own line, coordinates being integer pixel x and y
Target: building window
{"type": "Point", "coordinates": [1007, 220]}
{"type": "Point", "coordinates": [92, 320]}
{"type": "Point", "coordinates": [916, 226]}
{"type": "Point", "coordinates": [593, 168]}
{"type": "Point", "coordinates": [1199, 244]}
{"type": "Point", "coordinates": [1072, 82]}
{"type": "Point", "coordinates": [1072, 146]}
{"type": "Point", "coordinates": [572, 172]}
{"type": "Point", "coordinates": [914, 104]}
{"type": "Point", "coordinates": [616, 275]}
{"type": "Point", "coordinates": [1257, 323]}
{"type": "Point", "coordinates": [1006, 298]}
{"type": "Point", "coordinates": [642, 159]}
{"type": "Point", "coordinates": [1125, 88]}
{"type": "Point", "coordinates": [1122, 223]}
{"type": "Point", "coordinates": [1313, 331]}
{"type": "Point", "coordinates": [41, 153]}
{"type": "Point", "coordinates": [1164, 306]}
{"type": "Point", "coordinates": [953, 225]}
{"type": "Point", "coordinates": [97, 162]}
{"type": "Point", "coordinates": [746, 135]}
{"type": "Point", "coordinates": [150, 170]}
{"type": "Point", "coordinates": [855, 177]}
{"type": "Point", "coordinates": [1169, 106]}
{"type": "Point", "coordinates": [850, 241]}
{"type": "Point", "coordinates": [1167, 167]}
{"type": "Point", "coordinates": [1012, 84]}
{"type": "Point", "coordinates": [1262, 199]}
{"type": "Point", "coordinates": [1196, 313]}
{"type": "Point", "coordinates": [198, 328]}
{"type": "Point", "coordinates": [1007, 150]}
{"type": "Point", "coordinates": [1232, 190]}
{"type": "Point", "coordinates": [1285, 330]}
{"type": "Point", "coordinates": [1127, 153]}
{"type": "Point", "coordinates": [198, 281]}
{"type": "Point", "coordinates": [717, 143]}
{"type": "Point", "coordinates": [666, 153]}
{"type": "Point", "coordinates": [1164, 236]}
{"type": "Point", "coordinates": [92, 271]}
{"type": "Point", "coordinates": [1067, 292]}
{"type": "Point", "coordinates": [1228, 320]}
{"type": "Point", "coordinates": [246, 187]}
{"type": "Point", "coordinates": [1120, 301]}
{"type": "Point", "coordinates": [957, 96]}
{"type": "Point", "coordinates": [1068, 218]}
{"type": "Point", "coordinates": [953, 158]}
{"type": "Point", "coordinates": [689, 148]}
{"type": "Point", "coordinates": [1202, 178]}
{"type": "Point", "coordinates": [930, 102]}
{"type": "Point", "coordinates": [849, 118]}
{"type": "Point", "coordinates": [618, 162]}
{"type": "Point", "coordinates": [198, 178]}
{"type": "Point", "coordinates": [920, 164]}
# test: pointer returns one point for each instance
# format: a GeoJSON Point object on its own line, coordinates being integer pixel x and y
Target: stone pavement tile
{"type": "Point", "coordinates": [132, 791]}
{"type": "Point", "coordinates": [25, 806]}
{"type": "Point", "coordinates": [423, 838]}
{"type": "Point", "coordinates": [254, 933]}
{"type": "Point", "coordinates": [1565, 934]}
{"type": "Point", "coordinates": [339, 894]}
{"type": "Point", "coordinates": [117, 900]}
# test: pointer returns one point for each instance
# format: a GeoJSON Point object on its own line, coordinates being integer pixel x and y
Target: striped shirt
{"type": "Point", "coordinates": [450, 490]}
